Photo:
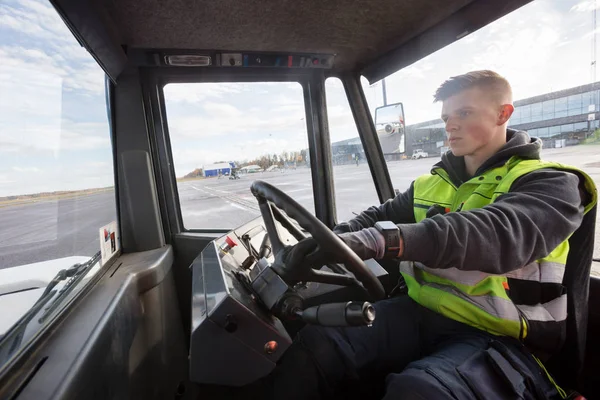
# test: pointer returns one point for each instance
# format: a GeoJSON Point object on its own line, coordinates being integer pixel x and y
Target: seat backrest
{"type": "Point", "coordinates": [567, 365]}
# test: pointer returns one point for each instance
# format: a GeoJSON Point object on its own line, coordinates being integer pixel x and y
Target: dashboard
{"type": "Point", "coordinates": [235, 339]}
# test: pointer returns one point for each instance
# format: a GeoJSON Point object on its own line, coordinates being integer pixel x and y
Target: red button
{"type": "Point", "coordinates": [271, 347]}
{"type": "Point", "coordinates": [230, 242]}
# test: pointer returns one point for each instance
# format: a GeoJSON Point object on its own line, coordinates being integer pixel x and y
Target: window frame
{"type": "Point", "coordinates": [155, 79]}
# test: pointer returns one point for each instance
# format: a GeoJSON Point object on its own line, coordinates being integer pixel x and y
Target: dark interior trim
{"type": "Point", "coordinates": [89, 353]}
{"type": "Point", "coordinates": [467, 20]}
{"type": "Point", "coordinates": [94, 30]}
{"type": "Point", "coordinates": [164, 76]}
{"type": "Point", "coordinates": [160, 146]}
{"type": "Point", "coordinates": [109, 93]}
{"type": "Point", "coordinates": [319, 145]}
{"type": "Point", "coordinates": [140, 214]}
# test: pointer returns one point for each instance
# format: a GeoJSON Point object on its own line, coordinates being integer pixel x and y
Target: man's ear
{"type": "Point", "coordinates": [506, 111]}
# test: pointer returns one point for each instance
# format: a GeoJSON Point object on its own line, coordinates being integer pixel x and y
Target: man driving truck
{"type": "Point", "coordinates": [483, 242]}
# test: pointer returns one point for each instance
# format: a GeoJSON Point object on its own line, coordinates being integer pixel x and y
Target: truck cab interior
{"type": "Point", "coordinates": [191, 313]}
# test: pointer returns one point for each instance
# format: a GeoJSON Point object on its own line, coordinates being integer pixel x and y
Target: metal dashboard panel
{"type": "Point", "coordinates": [229, 328]}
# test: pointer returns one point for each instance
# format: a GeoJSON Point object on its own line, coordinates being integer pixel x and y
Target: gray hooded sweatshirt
{"type": "Point", "coordinates": [539, 212]}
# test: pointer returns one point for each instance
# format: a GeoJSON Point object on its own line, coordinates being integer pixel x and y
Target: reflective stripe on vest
{"type": "Point", "coordinates": [542, 271]}
{"type": "Point", "coordinates": [499, 304]}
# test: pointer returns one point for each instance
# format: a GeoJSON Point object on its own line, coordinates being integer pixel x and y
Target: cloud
{"type": "Point", "coordinates": [37, 19]}
{"type": "Point", "coordinates": [62, 135]}
{"type": "Point", "coordinates": [44, 43]}
{"type": "Point", "coordinates": [228, 121]}
{"type": "Point", "coordinates": [587, 5]}
{"type": "Point", "coordinates": [84, 76]}
{"type": "Point", "coordinates": [341, 122]}
{"type": "Point", "coordinates": [418, 70]}
{"type": "Point", "coordinates": [99, 164]}
{"type": "Point", "coordinates": [5, 180]}
{"type": "Point", "coordinates": [54, 133]}
{"type": "Point", "coordinates": [26, 169]}
{"type": "Point", "coordinates": [524, 46]}
{"type": "Point", "coordinates": [33, 116]}
{"type": "Point", "coordinates": [197, 93]}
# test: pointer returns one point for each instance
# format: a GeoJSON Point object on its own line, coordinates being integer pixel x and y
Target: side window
{"type": "Point", "coordinates": [555, 97]}
{"type": "Point", "coordinates": [354, 187]}
{"type": "Point", "coordinates": [56, 170]}
{"type": "Point", "coordinates": [226, 135]}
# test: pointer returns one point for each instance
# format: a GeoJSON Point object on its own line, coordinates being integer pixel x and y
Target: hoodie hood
{"type": "Point", "coordinates": [518, 143]}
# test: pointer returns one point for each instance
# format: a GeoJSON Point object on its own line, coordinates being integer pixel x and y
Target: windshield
{"type": "Point", "coordinates": [56, 172]}
{"type": "Point", "coordinates": [547, 50]}
{"type": "Point", "coordinates": [226, 135]}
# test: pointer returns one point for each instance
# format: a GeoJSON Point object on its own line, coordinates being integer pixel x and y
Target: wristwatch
{"type": "Point", "coordinates": [391, 233]}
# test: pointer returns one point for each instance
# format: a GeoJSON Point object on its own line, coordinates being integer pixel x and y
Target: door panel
{"type": "Point", "coordinates": [124, 339]}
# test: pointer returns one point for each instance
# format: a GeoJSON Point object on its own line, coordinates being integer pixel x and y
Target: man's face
{"type": "Point", "coordinates": [472, 120]}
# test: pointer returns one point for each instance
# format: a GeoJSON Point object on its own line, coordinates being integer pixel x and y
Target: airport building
{"type": "Point", "coordinates": [561, 118]}
{"type": "Point", "coordinates": [217, 169]}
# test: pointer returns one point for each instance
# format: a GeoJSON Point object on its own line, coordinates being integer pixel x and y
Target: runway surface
{"type": "Point", "coordinates": [59, 228]}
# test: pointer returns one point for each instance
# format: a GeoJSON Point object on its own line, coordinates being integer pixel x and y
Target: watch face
{"type": "Point", "coordinates": [387, 225]}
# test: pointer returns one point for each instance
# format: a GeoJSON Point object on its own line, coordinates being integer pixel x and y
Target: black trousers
{"type": "Point", "coordinates": [410, 352]}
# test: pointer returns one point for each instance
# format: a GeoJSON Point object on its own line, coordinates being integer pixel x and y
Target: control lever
{"type": "Point", "coordinates": [352, 313]}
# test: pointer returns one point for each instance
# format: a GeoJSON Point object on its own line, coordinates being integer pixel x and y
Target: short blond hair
{"type": "Point", "coordinates": [485, 79]}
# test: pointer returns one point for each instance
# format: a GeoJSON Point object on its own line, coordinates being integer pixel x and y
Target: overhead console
{"type": "Point", "coordinates": [233, 59]}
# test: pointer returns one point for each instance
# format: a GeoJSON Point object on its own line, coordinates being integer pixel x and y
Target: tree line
{"type": "Point", "coordinates": [267, 160]}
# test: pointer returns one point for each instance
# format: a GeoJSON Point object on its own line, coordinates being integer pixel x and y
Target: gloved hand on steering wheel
{"type": "Point", "coordinates": [366, 243]}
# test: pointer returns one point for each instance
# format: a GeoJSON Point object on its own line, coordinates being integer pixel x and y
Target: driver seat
{"type": "Point", "coordinates": [567, 365]}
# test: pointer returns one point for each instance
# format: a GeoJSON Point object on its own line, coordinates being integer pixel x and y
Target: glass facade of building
{"type": "Point", "coordinates": [559, 108]}
{"type": "Point", "coordinates": [556, 130]}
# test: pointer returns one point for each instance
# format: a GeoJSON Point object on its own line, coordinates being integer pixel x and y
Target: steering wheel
{"type": "Point", "coordinates": [267, 195]}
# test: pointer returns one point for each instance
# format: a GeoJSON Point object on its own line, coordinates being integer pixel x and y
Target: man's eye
{"type": "Point", "coordinates": [464, 114]}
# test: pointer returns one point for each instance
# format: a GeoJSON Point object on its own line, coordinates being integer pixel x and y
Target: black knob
{"type": "Point", "coordinates": [352, 313]}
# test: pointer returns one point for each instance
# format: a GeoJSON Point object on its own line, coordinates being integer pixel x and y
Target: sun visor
{"type": "Point", "coordinates": [95, 31]}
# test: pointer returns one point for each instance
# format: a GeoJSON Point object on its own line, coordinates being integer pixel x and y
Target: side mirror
{"type": "Point", "coordinates": [389, 121]}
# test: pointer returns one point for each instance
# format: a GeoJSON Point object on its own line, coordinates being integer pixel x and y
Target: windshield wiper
{"type": "Point", "coordinates": [75, 273]}
{"type": "Point", "coordinates": [12, 340]}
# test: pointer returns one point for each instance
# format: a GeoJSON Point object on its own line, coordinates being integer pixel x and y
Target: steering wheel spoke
{"type": "Point", "coordinates": [317, 275]}
{"type": "Point", "coordinates": [288, 224]}
{"type": "Point", "coordinates": [338, 268]}
{"type": "Point", "coordinates": [267, 213]}
{"type": "Point", "coordinates": [273, 203]}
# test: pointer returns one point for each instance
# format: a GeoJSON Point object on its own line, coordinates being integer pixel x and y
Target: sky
{"type": "Point", "coordinates": [53, 124]}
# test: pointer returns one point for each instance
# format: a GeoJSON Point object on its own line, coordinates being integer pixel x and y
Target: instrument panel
{"type": "Point", "coordinates": [235, 340]}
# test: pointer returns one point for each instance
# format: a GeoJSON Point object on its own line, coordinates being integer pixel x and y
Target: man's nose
{"type": "Point", "coordinates": [451, 126]}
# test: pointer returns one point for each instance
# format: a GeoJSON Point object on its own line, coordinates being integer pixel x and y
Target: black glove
{"type": "Point", "coordinates": [295, 260]}
{"type": "Point", "coordinates": [302, 252]}
{"type": "Point", "coordinates": [366, 243]}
